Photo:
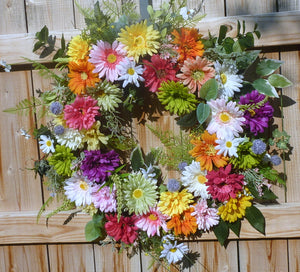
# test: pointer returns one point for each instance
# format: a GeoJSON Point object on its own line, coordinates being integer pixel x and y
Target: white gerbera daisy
{"type": "Point", "coordinates": [71, 138]}
{"type": "Point", "coordinates": [80, 190]}
{"type": "Point", "coordinates": [230, 81]}
{"type": "Point", "coordinates": [46, 144]}
{"type": "Point", "coordinates": [194, 180]}
{"type": "Point", "coordinates": [174, 252]}
{"type": "Point", "coordinates": [227, 119]}
{"type": "Point", "coordinates": [130, 73]}
{"type": "Point", "coordinates": [228, 146]}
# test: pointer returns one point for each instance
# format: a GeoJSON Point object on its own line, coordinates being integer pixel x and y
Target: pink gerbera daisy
{"type": "Point", "coordinates": [227, 119]}
{"type": "Point", "coordinates": [81, 113]}
{"type": "Point", "coordinates": [206, 217]}
{"type": "Point", "coordinates": [195, 72]}
{"type": "Point", "coordinates": [157, 71]}
{"type": "Point", "coordinates": [106, 57]}
{"type": "Point", "coordinates": [105, 199]}
{"type": "Point", "coordinates": [152, 222]}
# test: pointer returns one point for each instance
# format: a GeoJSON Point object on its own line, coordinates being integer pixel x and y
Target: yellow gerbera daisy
{"type": "Point", "coordinates": [173, 203]}
{"type": "Point", "coordinates": [78, 49]}
{"type": "Point", "coordinates": [139, 40]}
{"type": "Point", "coordinates": [235, 208]}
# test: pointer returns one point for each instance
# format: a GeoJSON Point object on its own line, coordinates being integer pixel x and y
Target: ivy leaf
{"type": "Point", "coordinates": [222, 232]}
{"type": "Point", "coordinates": [255, 218]}
{"type": "Point", "coordinates": [263, 86]}
{"type": "Point", "coordinates": [268, 66]}
{"type": "Point", "coordinates": [136, 158]}
{"type": "Point", "coordinates": [279, 81]}
{"type": "Point", "coordinates": [188, 120]}
{"type": "Point", "coordinates": [236, 227]}
{"type": "Point", "coordinates": [202, 112]}
{"type": "Point", "coordinates": [94, 229]}
{"type": "Point", "coordinates": [209, 89]}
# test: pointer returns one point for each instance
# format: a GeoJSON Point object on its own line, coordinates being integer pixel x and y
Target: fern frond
{"type": "Point", "coordinates": [25, 106]}
{"type": "Point", "coordinates": [43, 208]}
{"type": "Point", "coordinates": [86, 12]}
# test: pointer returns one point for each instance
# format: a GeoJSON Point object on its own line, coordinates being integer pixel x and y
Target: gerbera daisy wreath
{"type": "Point", "coordinates": [220, 91]}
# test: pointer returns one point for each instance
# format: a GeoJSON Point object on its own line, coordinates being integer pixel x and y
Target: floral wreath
{"type": "Point", "coordinates": [121, 67]}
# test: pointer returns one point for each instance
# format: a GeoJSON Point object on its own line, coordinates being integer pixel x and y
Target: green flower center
{"type": "Point", "coordinates": [228, 144]}
{"type": "Point", "coordinates": [48, 143]}
{"type": "Point", "coordinates": [130, 71]}
{"type": "Point", "coordinates": [111, 58]}
{"type": "Point", "coordinates": [83, 185]}
{"type": "Point", "coordinates": [224, 117]}
{"type": "Point", "coordinates": [223, 78]}
{"type": "Point", "coordinates": [202, 179]}
{"type": "Point", "coordinates": [137, 193]}
{"type": "Point", "coordinates": [198, 75]}
{"type": "Point", "coordinates": [152, 217]}
{"type": "Point", "coordinates": [210, 151]}
{"type": "Point", "coordinates": [83, 76]}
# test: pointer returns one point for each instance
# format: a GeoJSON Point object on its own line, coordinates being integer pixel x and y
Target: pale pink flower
{"type": "Point", "coordinates": [195, 72]}
{"type": "Point", "coordinates": [152, 222]}
{"type": "Point", "coordinates": [106, 57]}
{"type": "Point", "coordinates": [206, 217]}
{"type": "Point", "coordinates": [105, 199]}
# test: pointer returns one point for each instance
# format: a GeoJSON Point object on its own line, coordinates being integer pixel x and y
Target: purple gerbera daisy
{"type": "Point", "coordinates": [97, 166]}
{"type": "Point", "coordinates": [257, 118]}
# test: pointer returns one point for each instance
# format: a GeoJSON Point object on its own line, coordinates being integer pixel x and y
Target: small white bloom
{"type": "Point", "coordinates": [24, 133]}
{"type": "Point", "coordinates": [130, 73]}
{"type": "Point", "coordinates": [186, 13]}
{"type": "Point", "coordinates": [174, 253]}
{"type": "Point", "coordinates": [46, 144]}
{"type": "Point", "coordinates": [6, 66]}
{"type": "Point", "coordinates": [228, 146]}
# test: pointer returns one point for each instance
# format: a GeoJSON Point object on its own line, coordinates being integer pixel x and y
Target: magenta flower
{"type": "Point", "coordinates": [97, 166]}
{"type": "Point", "coordinates": [256, 119]}
{"type": "Point", "coordinates": [81, 113]}
{"type": "Point", "coordinates": [222, 185]}
{"type": "Point", "coordinates": [106, 57]}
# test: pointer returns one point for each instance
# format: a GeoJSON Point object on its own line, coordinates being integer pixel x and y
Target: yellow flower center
{"type": "Point", "coordinates": [139, 41]}
{"type": "Point", "coordinates": [111, 58]}
{"type": "Point", "coordinates": [252, 112]}
{"type": "Point", "coordinates": [130, 71]}
{"type": "Point", "coordinates": [137, 193]}
{"type": "Point", "coordinates": [224, 117]}
{"type": "Point", "coordinates": [210, 151]}
{"type": "Point", "coordinates": [173, 249]}
{"type": "Point", "coordinates": [223, 78]}
{"type": "Point", "coordinates": [228, 144]}
{"type": "Point", "coordinates": [202, 179]}
{"type": "Point", "coordinates": [152, 217]}
{"type": "Point", "coordinates": [84, 76]}
{"type": "Point", "coordinates": [83, 185]}
{"type": "Point", "coordinates": [198, 75]}
{"type": "Point", "coordinates": [48, 143]}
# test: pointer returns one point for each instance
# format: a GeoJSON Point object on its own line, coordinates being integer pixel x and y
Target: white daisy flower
{"type": "Point", "coordinates": [228, 146]}
{"type": "Point", "coordinates": [130, 73]}
{"type": "Point", "coordinates": [230, 82]}
{"type": "Point", "coordinates": [186, 13]}
{"type": "Point", "coordinates": [194, 180]}
{"type": "Point", "coordinates": [71, 138]}
{"type": "Point", "coordinates": [173, 252]}
{"type": "Point", "coordinates": [46, 144]}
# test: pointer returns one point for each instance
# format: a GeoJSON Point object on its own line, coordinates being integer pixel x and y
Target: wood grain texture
{"type": "Point", "coordinates": [16, 182]}
{"type": "Point", "coordinates": [263, 256]}
{"type": "Point", "coordinates": [294, 255]}
{"type": "Point", "coordinates": [26, 258]}
{"type": "Point", "coordinates": [75, 258]}
{"type": "Point", "coordinates": [284, 5]}
{"type": "Point", "coordinates": [21, 227]}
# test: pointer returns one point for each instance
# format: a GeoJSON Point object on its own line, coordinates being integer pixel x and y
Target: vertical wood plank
{"type": "Point", "coordinates": [263, 255]}
{"type": "Point", "coordinates": [79, 18]}
{"type": "Point", "coordinates": [18, 188]}
{"type": "Point", "coordinates": [71, 257]}
{"type": "Point", "coordinates": [290, 5]}
{"type": "Point", "coordinates": [12, 19]}
{"type": "Point", "coordinates": [294, 255]}
{"type": "Point", "coordinates": [241, 7]}
{"type": "Point", "coordinates": [290, 69]}
{"type": "Point", "coordinates": [23, 258]}
{"type": "Point", "coordinates": [214, 257]}
{"type": "Point", "coordinates": [213, 9]}
{"type": "Point", "coordinates": [108, 259]}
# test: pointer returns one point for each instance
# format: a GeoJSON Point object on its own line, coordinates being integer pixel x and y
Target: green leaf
{"type": "Point", "coordinates": [279, 81]}
{"type": "Point", "coordinates": [43, 34]}
{"type": "Point", "coordinates": [222, 33]}
{"type": "Point", "coordinates": [37, 45]}
{"type": "Point", "coordinates": [94, 229]}
{"type": "Point", "coordinates": [188, 120]}
{"type": "Point", "coordinates": [202, 112]}
{"type": "Point", "coordinates": [236, 47]}
{"type": "Point", "coordinates": [136, 158]}
{"type": "Point", "coordinates": [255, 218]}
{"type": "Point", "coordinates": [222, 232]}
{"type": "Point", "coordinates": [235, 227]}
{"type": "Point", "coordinates": [209, 89]}
{"type": "Point", "coordinates": [263, 86]}
{"type": "Point", "coordinates": [268, 66]}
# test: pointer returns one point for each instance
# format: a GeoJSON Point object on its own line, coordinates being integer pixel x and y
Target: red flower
{"type": "Point", "coordinates": [158, 71]}
{"type": "Point", "coordinates": [124, 230]}
{"type": "Point", "coordinates": [222, 185]}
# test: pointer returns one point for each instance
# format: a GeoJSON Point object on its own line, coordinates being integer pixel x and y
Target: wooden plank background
{"type": "Point", "coordinates": [27, 246]}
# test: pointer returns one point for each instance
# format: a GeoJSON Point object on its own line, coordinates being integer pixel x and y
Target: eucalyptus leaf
{"type": "Point", "coordinates": [188, 120]}
{"type": "Point", "coordinates": [202, 112]}
{"type": "Point", "coordinates": [268, 66]}
{"type": "Point", "coordinates": [209, 89]}
{"type": "Point", "coordinates": [263, 86]}
{"type": "Point", "coordinates": [279, 81]}
{"type": "Point", "coordinates": [94, 229]}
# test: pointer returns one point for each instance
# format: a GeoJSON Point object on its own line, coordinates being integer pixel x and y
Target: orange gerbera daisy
{"type": "Point", "coordinates": [188, 43]}
{"type": "Point", "coordinates": [184, 223]}
{"type": "Point", "coordinates": [81, 76]}
{"type": "Point", "coordinates": [206, 153]}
